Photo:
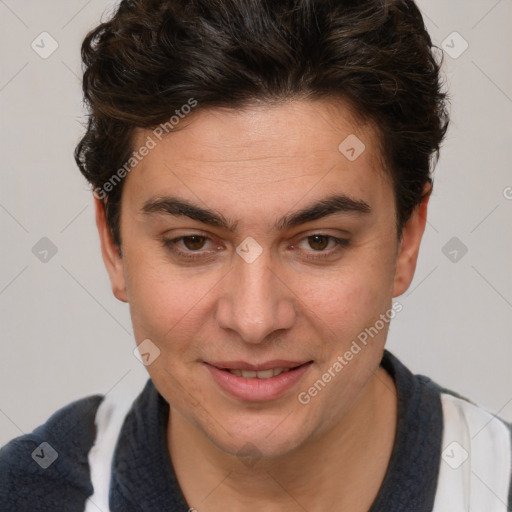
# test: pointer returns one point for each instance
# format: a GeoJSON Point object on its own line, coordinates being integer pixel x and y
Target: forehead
{"type": "Point", "coordinates": [262, 153]}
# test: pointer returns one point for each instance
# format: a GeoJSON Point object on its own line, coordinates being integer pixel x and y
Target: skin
{"type": "Point", "coordinates": [255, 166]}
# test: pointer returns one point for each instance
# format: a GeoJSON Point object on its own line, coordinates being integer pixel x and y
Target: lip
{"type": "Point", "coordinates": [257, 390]}
{"type": "Point", "coordinates": [242, 365]}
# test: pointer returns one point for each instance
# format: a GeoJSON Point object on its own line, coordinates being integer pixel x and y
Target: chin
{"type": "Point", "coordinates": [251, 440]}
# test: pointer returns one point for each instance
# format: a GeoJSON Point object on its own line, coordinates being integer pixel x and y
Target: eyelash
{"type": "Point", "coordinates": [171, 244]}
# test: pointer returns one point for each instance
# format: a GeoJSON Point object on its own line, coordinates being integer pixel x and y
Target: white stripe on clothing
{"type": "Point", "coordinates": [110, 417]}
{"type": "Point", "coordinates": [475, 467]}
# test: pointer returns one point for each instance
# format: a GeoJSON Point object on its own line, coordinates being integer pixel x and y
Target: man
{"type": "Point", "coordinates": [261, 176]}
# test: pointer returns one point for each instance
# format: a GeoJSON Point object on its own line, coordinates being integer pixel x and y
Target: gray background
{"type": "Point", "coordinates": [64, 335]}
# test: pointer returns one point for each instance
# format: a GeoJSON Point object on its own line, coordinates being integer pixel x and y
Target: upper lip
{"type": "Point", "coordinates": [267, 365]}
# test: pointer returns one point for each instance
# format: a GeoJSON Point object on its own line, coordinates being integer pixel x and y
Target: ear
{"type": "Point", "coordinates": [410, 245]}
{"type": "Point", "coordinates": [109, 250]}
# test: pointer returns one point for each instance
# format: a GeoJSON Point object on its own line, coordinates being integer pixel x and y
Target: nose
{"type": "Point", "coordinates": [255, 300]}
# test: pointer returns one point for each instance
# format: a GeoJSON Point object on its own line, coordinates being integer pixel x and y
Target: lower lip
{"type": "Point", "coordinates": [257, 390]}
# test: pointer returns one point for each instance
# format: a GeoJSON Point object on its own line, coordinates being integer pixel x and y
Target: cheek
{"type": "Point", "coordinates": [348, 299]}
{"type": "Point", "coordinates": [165, 303]}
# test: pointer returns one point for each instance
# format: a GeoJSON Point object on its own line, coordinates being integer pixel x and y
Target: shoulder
{"type": "Point", "coordinates": [476, 457]}
{"type": "Point", "coordinates": [465, 450]}
{"type": "Point", "coordinates": [48, 468]}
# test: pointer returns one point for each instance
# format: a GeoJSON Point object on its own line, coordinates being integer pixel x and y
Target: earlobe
{"type": "Point", "coordinates": [109, 251]}
{"type": "Point", "coordinates": [409, 247]}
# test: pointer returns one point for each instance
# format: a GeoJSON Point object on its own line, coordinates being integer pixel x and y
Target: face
{"type": "Point", "coordinates": [251, 242]}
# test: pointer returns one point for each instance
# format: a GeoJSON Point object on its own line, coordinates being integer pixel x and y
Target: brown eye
{"type": "Point", "coordinates": [318, 242]}
{"type": "Point", "coordinates": [322, 247]}
{"type": "Point", "coordinates": [190, 248]}
{"type": "Point", "coordinates": [194, 242]}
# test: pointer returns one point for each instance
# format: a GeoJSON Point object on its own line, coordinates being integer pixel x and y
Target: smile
{"type": "Point", "coordinates": [263, 374]}
{"type": "Point", "coordinates": [262, 382]}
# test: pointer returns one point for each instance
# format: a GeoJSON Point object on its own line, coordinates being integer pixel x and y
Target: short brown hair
{"type": "Point", "coordinates": [152, 56]}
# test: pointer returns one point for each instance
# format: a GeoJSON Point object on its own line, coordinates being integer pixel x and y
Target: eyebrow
{"type": "Point", "coordinates": [178, 207]}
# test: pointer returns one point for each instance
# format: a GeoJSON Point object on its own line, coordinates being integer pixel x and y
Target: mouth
{"type": "Point", "coordinates": [261, 371]}
{"type": "Point", "coordinates": [262, 374]}
{"type": "Point", "coordinates": [257, 382]}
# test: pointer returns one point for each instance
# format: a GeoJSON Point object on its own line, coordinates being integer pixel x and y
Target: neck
{"type": "Point", "coordinates": [346, 465]}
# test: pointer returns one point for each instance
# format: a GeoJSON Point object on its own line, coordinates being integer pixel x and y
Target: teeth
{"type": "Point", "coordinates": [278, 371]}
{"type": "Point", "coordinates": [262, 374]}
